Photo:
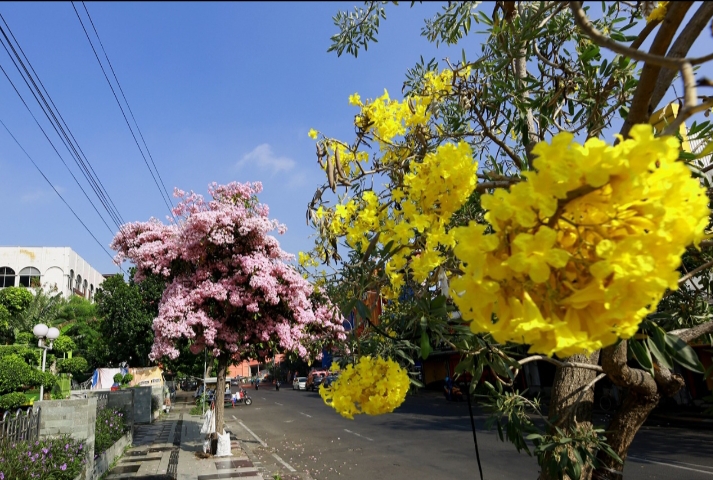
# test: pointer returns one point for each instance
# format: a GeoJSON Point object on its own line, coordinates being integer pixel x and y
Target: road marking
{"type": "Point", "coordinates": [671, 465]}
{"type": "Point", "coordinates": [233, 417]}
{"type": "Point", "coordinates": [253, 434]}
{"type": "Point", "coordinates": [278, 403]}
{"type": "Point", "coordinates": [287, 465]}
{"type": "Point", "coordinates": [358, 435]}
{"type": "Point", "coordinates": [310, 416]}
{"type": "Point", "coordinates": [263, 398]}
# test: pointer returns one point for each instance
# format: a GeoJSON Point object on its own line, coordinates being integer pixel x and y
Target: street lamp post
{"type": "Point", "coordinates": [43, 332]}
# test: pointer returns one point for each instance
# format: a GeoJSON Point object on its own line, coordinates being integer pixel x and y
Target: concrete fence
{"type": "Point", "coordinates": [76, 417]}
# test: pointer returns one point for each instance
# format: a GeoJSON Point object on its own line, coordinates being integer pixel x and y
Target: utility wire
{"type": "Point", "coordinates": [58, 194]}
{"type": "Point", "coordinates": [84, 164]}
{"type": "Point", "coordinates": [127, 105]}
{"type": "Point", "coordinates": [56, 151]}
{"type": "Point", "coordinates": [164, 193]}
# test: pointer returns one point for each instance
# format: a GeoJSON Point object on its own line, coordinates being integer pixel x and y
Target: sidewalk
{"type": "Point", "coordinates": [166, 450]}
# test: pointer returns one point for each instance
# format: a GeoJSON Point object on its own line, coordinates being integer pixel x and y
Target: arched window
{"type": "Point", "coordinates": [71, 280]}
{"type": "Point", "coordinates": [78, 283]}
{"type": "Point", "coordinates": [7, 277]}
{"type": "Point", "coordinates": [91, 292]}
{"type": "Point", "coordinates": [84, 288]}
{"type": "Point", "coordinates": [30, 277]}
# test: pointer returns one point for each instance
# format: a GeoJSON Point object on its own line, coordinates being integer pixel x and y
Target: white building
{"type": "Point", "coordinates": [48, 267]}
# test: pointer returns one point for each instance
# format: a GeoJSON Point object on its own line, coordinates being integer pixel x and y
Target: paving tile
{"type": "Point", "coordinates": [230, 464]}
{"type": "Point", "coordinates": [218, 476]}
{"type": "Point", "coordinates": [125, 469]}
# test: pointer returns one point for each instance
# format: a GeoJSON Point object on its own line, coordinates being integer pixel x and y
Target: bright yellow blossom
{"type": "Point", "coordinates": [658, 13]}
{"type": "Point", "coordinates": [312, 133]}
{"type": "Point", "coordinates": [584, 248]}
{"type": "Point", "coordinates": [373, 386]}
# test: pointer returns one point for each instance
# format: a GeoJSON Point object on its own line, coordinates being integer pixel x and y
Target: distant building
{"type": "Point", "coordinates": [57, 268]}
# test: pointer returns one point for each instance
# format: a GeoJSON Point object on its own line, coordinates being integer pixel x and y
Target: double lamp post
{"type": "Point", "coordinates": [45, 335]}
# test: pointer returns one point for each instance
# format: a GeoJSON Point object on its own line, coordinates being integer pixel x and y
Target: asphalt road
{"type": "Point", "coordinates": [295, 433]}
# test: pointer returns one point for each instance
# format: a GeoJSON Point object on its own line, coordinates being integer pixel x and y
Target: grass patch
{"type": "Point", "coordinates": [196, 411]}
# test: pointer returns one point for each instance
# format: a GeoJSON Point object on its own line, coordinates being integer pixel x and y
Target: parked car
{"type": "Point", "coordinates": [314, 379]}
{"type": "Point", "coordinates": [299, 383]}
{"type": "Point", "coordinates": [329, 380]}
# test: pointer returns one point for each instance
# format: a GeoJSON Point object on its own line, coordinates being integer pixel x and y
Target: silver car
{"type": "Point", "coordinates": [299, 383]}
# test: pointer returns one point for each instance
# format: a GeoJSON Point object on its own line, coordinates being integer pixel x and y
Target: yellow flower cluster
{"type": "Point", "coordinates": [374, 386]}
{"type": "Point", "coordinates": [585, 248]}
{"type": "Point", "coordinates": [658, 13]}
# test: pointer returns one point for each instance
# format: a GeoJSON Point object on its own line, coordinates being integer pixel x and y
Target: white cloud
{"type": "Point", "coordinates": [263, 158]}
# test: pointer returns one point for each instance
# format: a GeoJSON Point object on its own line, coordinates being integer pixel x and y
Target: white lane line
{"type": "Point", "coordinates": [287, 465]}
{"type": "Point", "coordinates": [233, 417]}
{"type": "Point", "coordinates": [358, 435]}
{"type": "Point", "coordinates": [670, 465]}
{"type": "Point", "coordinates": [309, 416]}
{"type": "Point", "coordinates": [263, 398]}
{"type": "Point", "coordinates": [278, 403]}
{"type": "Point", "coordinates": [253, 434]}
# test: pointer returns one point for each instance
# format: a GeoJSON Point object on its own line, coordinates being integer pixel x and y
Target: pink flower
{"type": "Point", "coordinates": [229, 286]}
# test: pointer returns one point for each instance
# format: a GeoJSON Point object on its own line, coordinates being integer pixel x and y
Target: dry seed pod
{"type": "Point", "coordinates": [340, 172]}
{"type": "Point", "coordinates": [330, 174]}
{"type": "Point", "coordinates": [411, 107]}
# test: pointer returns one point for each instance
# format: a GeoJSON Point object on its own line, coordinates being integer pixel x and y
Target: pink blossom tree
{"type": "Point", "coordinates": [229, 286]}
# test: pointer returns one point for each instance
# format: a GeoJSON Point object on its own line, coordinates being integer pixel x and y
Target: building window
{"type": "Point", "coordinates": [84, 289]}
{"type": "Point", "coordinates": [91, 292]}
{"type": "Point", "coordinates": [7, 277]}
{"type": "Point", "coordinates": [71, 280]}
{"type": "Point", "coordinates": [30, 277]}
{"type": "Point", "coordinates": [78, 284]}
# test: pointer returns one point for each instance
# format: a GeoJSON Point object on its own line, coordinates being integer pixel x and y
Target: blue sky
{"type": "Point", "coordinates": [222, 92]}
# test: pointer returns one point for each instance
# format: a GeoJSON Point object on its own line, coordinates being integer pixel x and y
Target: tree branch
{"type": "Point", "coordinates": [689, 334]}
{"type": "Point", "coordinates": [614, 365]}
{"type": "Point", "coordinates": [560, 363]}
{"type": "Point", "coordinates": [639, 111]}
{"type": "Point", "coordinates": [695, 272]}
{"type": "Point", "coordinates": [680, 48]}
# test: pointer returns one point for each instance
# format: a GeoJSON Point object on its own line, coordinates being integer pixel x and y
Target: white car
{"type": "Point", "coordinates": [299, 383]}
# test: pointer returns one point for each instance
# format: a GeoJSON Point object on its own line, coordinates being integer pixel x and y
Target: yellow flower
{"type": "Point", "coordinates": [355, 100]}
{"type": "Point", "coordinates": [584, 248]}
{"type": "Point", "coordinates": [312, 133]}
{"type": "Point", "coordinates": [658, 13]}
{"type": "Point", "coordinates": [373, 386]}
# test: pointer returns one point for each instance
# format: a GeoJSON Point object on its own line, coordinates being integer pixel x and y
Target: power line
{"type": "Point", "coordinates": [56, 151]}
{"type": "Point", "coordinates": [58, 194]}
{"type": "Point", "coordinates": [59, 125]}
{"type": "Point", "coordinates": [164, 193]}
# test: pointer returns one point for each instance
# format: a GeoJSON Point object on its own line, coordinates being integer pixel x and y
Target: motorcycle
{"type": "Point", "coordinates": [241, 397]}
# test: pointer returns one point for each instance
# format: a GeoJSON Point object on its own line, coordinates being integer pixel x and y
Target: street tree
{"type": "Point", "coordinates": [127, 311]}
{"type": "Point", "coordinates": [229, 287]}
{"type": "Point", "coordinates": [512, 216]}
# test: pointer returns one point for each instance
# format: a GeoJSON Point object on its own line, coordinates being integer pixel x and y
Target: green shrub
{"type": "Point", "coordinates": [59, 458]}
{"type": "Point", "coordinates": [75, 365]}
{"type": "Point", "coordinates": [64, 344]}
{"type": "Point", "coordinates": [15, 374]}
{"type": "Point", "coordinates": [12, 400]}
{"type": "Point", "coordinates": [31, 355]}
{"type": "Point", "coordinates": [110, 427]}
{"type": "Point", "coordinates": [24, 338]}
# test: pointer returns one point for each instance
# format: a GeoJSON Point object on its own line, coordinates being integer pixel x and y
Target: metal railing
{"type": "Point", "coordinates": [23, 425]}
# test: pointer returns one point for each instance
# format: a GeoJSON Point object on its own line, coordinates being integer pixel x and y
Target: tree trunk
{"type": "Point", "coordinates": [644, 393]}
{"type": "Point", "coordinates": [223, 361]}
{"type": "Point", "coordinates": [572, 400]}
{"type": "Point", "coordinates": [626, 423]}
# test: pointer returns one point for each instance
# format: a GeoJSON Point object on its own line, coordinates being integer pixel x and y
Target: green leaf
{"type": "Point", "coordinates": [683, 354]}
{"type": "Point", "coordinates": [425, 345]}
{"type": "Point", "coordinates": [661, 356]}
{"type": "Point", "coordinates": [642, 355]}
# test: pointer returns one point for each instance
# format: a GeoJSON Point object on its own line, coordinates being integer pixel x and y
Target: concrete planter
{"type": "Point", "coordinates": [104, 461]}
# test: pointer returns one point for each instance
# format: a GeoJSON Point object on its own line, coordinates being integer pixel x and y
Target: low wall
{"type": "Point", "coordinates": [142, 405]}
{"type": "Point", "coordinates": [76, 417]}
{"type": "Point", "coordinates": [105, 460]}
